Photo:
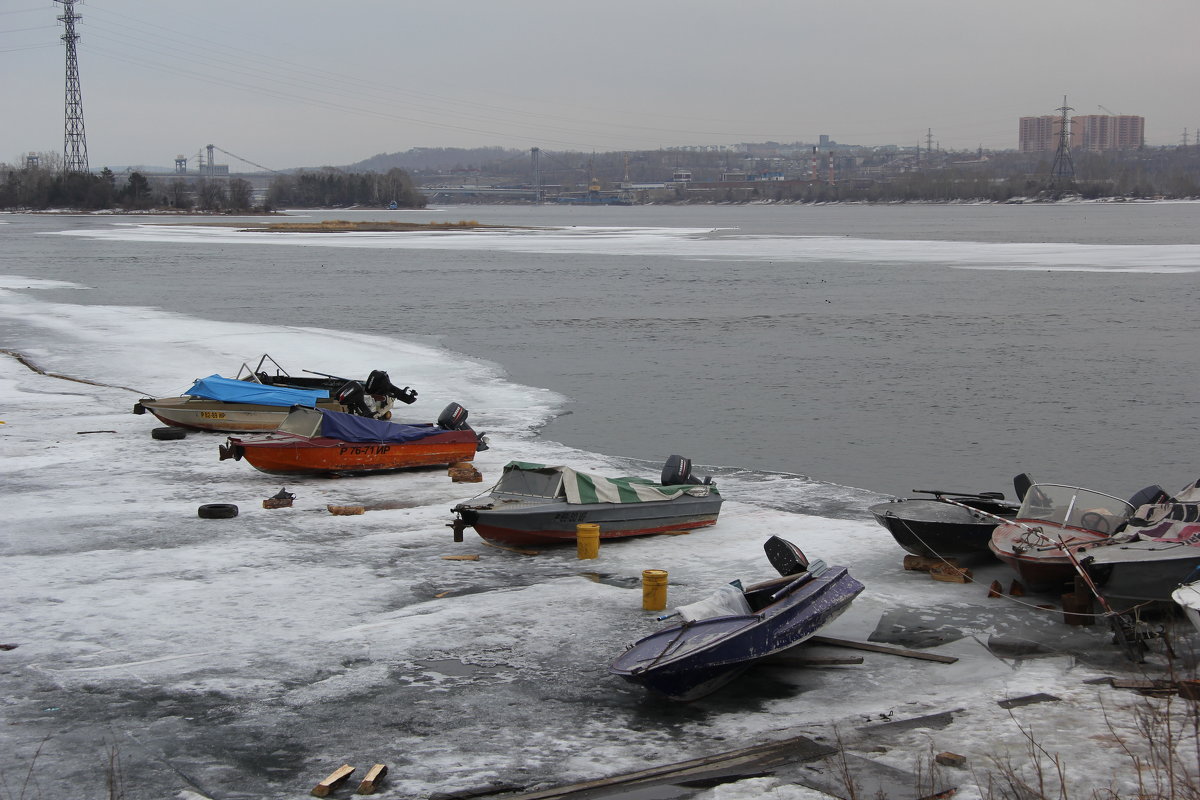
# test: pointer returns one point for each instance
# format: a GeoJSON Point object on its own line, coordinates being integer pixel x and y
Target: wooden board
{"type": "Point", "coordinates": [879, 648]}
{"type": "Point", "coordinates": [371, 781]}
{"type": "Point", "coordinates": [798, 749]}
{"type": "Point", "coordinates": [335, 779]}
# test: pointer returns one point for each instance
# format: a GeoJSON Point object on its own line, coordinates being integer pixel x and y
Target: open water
{"type": "Point", "coordinates": [888, 348]}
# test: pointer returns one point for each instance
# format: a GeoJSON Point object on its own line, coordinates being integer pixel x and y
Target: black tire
{"type": "Point", "coordinates": [217, 511]}
{"type": "Point", "coordinates": [166, 434]}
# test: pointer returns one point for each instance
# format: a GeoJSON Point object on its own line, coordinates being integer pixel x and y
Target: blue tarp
{"type": "Point", "coordinates": [228, 390]}
{"type": "Point", "coordinates": [350, 428]}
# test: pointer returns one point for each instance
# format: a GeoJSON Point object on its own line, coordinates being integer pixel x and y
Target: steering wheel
{"type": "Point", "coordinates": [1094, 520]}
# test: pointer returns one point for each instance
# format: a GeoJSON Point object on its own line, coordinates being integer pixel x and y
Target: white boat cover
{"type": "Point", "coordinates": [728, 601]}
{"type": "Point", "coordinates": [581, 487]}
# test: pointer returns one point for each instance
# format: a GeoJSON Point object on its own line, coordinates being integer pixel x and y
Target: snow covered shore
{"type": "Point", "coordinates": [246, 658]}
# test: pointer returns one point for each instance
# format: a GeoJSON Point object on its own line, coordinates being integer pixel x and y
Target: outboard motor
{"type": "Point", "coordinates": [453, 418]}
{"type": "Point", "coordinates": [678, 472]}
{"type": "Point", "coordinates": [378, 382]}
{"type": "Point", "coordinates": [1151, 495]}
{"type": "Point", "coordinates": [354, 397]}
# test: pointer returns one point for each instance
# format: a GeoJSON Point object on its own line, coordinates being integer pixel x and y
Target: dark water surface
{"type": "Point", "coordinates": [874, 362]}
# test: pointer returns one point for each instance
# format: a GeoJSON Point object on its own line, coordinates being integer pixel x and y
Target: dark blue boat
{"type": "Point", "coordinates": [737, 627]}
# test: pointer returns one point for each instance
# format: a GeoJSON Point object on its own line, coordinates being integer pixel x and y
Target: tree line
{"type": "Point", "coordinates": [858, 177]}
{"type": "Point", "coordinates": [44, 185]}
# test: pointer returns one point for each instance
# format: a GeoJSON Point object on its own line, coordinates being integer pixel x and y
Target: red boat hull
{"type": "Point", "coordinates": [287, 454]}
{"type": "Point", "coordinates": [1041, 563]}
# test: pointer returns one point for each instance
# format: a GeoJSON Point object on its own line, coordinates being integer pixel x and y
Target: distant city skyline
{"type": "Point", "coordinates": [301, 83]}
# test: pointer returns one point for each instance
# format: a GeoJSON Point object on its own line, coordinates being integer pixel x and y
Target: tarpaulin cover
{"type": "Point", "coordinates": [228, 390]}
{"type": "Point", "coordinates": [580, 487]}
{"type": "Point", "coordinates": [350, 428]}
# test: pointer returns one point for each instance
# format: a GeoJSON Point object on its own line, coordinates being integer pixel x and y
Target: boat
{"type": "Point", "coordinates": [723, 635]}
{"type": "Point", "coordinates": [1187, 597]}
{"type": "Point", "coordinates": [1156, 552]}
{"type": "Point", "coordinates": [534, 504]}
{"type": "Point", "coordinates": [954, 525]}
{"type": "Point", "coordinates": [258, 400]}
{"type": "Point", "coordinates": [1054, 521]}
{"type": "Point", "coordinates": [315, 441]}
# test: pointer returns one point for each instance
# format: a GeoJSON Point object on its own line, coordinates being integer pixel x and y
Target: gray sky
{"type": "Point", "coordinates": [286, 83]}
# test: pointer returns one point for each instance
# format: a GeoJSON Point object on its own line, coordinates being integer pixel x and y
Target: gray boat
{"type": "Point", "coordinates": [534, 504]}
{"type": "Point", "coordinates": [1157, 550]}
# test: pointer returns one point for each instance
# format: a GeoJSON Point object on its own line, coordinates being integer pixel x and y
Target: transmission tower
{"type": "Point", "coordinates": [536, 154]}
{"type": "Point", "coordinates": [74, 141]}
{"type": "Point", "coordinates": [1062, 173]}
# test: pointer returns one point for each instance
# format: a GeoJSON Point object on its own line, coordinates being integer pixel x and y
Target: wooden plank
{"type": "Point", "coordinates": [879, 648]}
{"type": "Point", "coordinates": [939, 720]}
{"type": "Point", "coordinates": [950, 574]}
{"type": "Point", "coordinates": [1028, 699]}
{"type": "Point", "coordinates": [471, 557]}
{"type": "Point", "coordinates": [335, 779]}
{"type": "Point", "coordinates": [800, 748]}
{"type": "Point", "coordinates": [925, 563]}
{"type": "Point", "coordinates": [346, 511]}
{"type": "Point", "coordinates": [374, 777]}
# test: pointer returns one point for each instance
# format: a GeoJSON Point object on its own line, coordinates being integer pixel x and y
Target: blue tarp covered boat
{"type": "Point", "coordinates": [228, 390]}
{"type": "Point", "coordinates": [258, 401]}
{"type": "Point", "coordinates": [319, 441]}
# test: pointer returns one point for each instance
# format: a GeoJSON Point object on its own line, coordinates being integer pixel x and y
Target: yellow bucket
{"type": "Point", "coordinates": [587, 539]}
{"type": "Point", "coordinates": [654, 589]}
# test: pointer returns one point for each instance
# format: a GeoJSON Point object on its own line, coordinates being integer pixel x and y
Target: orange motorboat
{"type": "Point", "coordinates": [319, 441]}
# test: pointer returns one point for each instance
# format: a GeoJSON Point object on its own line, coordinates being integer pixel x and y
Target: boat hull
{"type": "Point", "coordinates": [936, 529]}
{"type": "Point", "coordinates": [555, 522]}
{"type": "Point", "coordinates": [196, 413]}
{"type": "Point", "coordinates": [1140, 570]}
{"type": "Point", "coordinates": [1041, 564]}
{"type": "Point", "coordinates": [1188, 598]}
{"type": "Point", "coordinates": [283, 454]}
{"type": "Point", "coordinates": [686, 662]}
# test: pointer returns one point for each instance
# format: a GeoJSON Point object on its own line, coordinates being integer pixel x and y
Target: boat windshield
{"type": "Point", "coordinates": [1074, 507]}
{"type": "Point", "coordinates": [302, 422]}
{"type": "Point", "coordinates": [533, 483]}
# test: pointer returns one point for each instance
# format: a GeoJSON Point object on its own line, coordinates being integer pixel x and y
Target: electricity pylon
{"type": "Point", "coordinates": [74, 140]}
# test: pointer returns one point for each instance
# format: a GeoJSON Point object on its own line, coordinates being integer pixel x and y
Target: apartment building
{"type": "Point", "coordinates": [1092, 132]}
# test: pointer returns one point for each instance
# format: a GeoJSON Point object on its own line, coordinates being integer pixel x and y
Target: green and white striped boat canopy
{"type": "Point", "coordinates": [541, 480]}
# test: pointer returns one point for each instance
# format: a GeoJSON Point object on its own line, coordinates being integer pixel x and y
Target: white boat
{"type": "Point", "coordinates": [1187, 597]}
{"type": "Point", "coordinates": [259, 401]}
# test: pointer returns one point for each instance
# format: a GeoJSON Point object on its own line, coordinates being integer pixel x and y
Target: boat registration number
{"type": "Point", "coordinates": [212, 415]}
{"type": "Point", "coordinates": [570, 516]}
{"type": "Point", "coordinates": [364, 449]}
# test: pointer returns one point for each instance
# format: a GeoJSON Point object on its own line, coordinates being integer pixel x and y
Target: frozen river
{"type": "Point", "coordinates": [248, 658]}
